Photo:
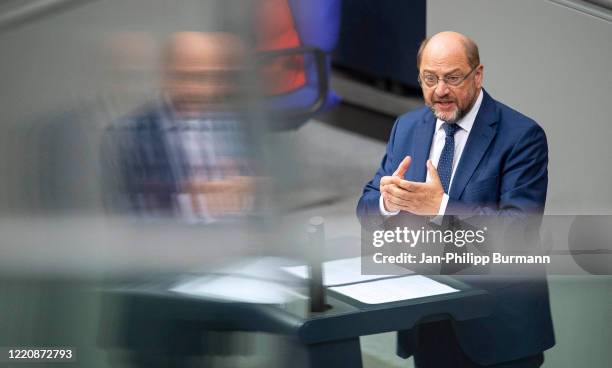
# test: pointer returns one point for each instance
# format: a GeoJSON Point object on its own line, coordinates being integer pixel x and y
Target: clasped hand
{"type": "Point", "coordinates": [230, 195]}
{"type": "Point", "coordinates": [414, 197]}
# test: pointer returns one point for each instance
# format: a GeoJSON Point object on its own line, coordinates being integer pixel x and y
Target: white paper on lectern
{"type": "Point", "coordinates": [238, 289]}
{"type": "Point", "coordinates": [256, 280]}
{"type": "Point", "coordinates": [341, 271]}
{"type": "Point", "coordinates": [394, 289]}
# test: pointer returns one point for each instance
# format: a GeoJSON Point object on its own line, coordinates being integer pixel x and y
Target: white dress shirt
{"type": "Point", "coordinates": [202, 149]}
{"type": "Point", "coordinates": [439, 137]}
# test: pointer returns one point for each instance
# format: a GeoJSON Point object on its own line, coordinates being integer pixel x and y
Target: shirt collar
{"type": "Point", "coordinates": [467, 121]}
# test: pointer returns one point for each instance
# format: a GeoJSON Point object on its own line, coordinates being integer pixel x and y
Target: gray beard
{"type": "Point", "coordinates": [459, 114]}
{"type": "Point", "coordinates": [455, 118]}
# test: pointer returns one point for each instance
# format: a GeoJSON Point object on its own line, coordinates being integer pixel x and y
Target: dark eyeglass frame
{"type": "Point", "coordinates": [450, 83]}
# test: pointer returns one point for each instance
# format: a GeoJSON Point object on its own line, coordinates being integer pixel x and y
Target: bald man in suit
{"type": "Point", "coordinates": [466, 154]}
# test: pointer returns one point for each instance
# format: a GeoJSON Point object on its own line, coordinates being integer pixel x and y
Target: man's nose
{"type": "Point", "coordinates": [441, 88]}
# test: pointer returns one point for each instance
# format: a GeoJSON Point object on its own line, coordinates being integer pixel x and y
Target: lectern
{"type": "Point", "coordinates": [159, 322]}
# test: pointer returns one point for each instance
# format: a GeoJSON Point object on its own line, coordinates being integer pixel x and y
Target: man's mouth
{"type": "Point", "coordinates": [444, 104]}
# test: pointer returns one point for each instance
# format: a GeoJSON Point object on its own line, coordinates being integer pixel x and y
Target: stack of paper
{"type": "Point", "coordinates": [394, 289]}
{"type": "Point", "coordinates": [341, 271]}
{"type": "Point", "coordinates": [238, 289]}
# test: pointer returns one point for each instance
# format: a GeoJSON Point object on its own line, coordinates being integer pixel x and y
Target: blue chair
{"type": "Point", "coordinates": [317, 23]}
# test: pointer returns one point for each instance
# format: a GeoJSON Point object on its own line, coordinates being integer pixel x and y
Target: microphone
{"type": "Point", "coordinates": [316, 239]}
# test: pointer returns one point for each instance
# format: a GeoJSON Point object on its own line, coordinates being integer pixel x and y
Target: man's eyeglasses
{"type": "Point", "coordinates": [431, 80]}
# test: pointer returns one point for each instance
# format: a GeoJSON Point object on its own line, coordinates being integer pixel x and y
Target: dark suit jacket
{"type": "Point", "coordinates": [143, 172]}
{"type": "Point", "coordinates": [502, 172]}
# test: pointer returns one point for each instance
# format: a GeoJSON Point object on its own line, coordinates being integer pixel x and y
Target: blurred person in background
{"type": "Point", "coordinates": [185, 155]}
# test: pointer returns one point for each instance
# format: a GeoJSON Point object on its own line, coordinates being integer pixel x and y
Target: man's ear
{"type": "Point", "coordinates": [479, 75]}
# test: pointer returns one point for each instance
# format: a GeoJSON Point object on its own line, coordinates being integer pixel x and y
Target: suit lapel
{"type": "Point", "coordinates": [423, 137]}
{"type": "Point", "coordinates": [483, 132]}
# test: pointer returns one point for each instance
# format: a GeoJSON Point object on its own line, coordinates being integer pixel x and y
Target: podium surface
{"type": "Point", "coordinates": [329, 338]}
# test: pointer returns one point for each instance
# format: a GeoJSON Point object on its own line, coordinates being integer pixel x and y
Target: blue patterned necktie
{"type": "Point", "coordinates": [445, 164]}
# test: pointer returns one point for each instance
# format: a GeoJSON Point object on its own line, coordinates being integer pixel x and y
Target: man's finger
{"type": "Point", "coordinates": [396, 191]}
{"type": "Point", "coordinates": [432, 171]}
{"type": "Point", "coordinates": [402, 205]}
{"type": "Point", "coordinates": [404, 195]}
{"type": "Point", "coordinates": [403, 167]}
{"type": "Point", "coordinates": [396, 201]}
{"type": "Point", "coordinates": [410, 186]}
{"type": "Point", "coordinates": [389, 180]}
